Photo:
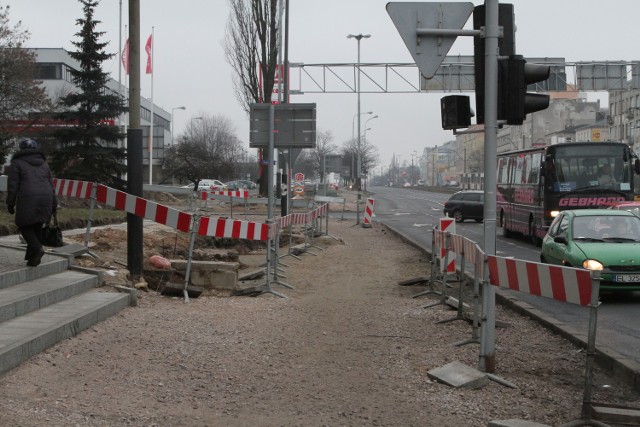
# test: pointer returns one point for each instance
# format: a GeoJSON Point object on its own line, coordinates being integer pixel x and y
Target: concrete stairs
{"type": "Point", "coordinates": [40, 306]}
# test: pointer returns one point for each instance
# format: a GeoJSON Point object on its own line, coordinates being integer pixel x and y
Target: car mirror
{"type": "Point", "coordinates": [561, 239]}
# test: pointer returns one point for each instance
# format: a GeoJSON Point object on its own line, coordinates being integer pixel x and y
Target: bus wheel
{"type": "Point", "coordinates": [505, 231]}
{"type": "Point", "coordinates": [532, 234]}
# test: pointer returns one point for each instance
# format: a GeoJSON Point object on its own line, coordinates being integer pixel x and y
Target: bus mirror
{"type": "Point", "coordinates": [637, 166]}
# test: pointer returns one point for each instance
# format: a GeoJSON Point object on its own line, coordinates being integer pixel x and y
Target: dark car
{"type": "Point", "coordinates": [465, 205]}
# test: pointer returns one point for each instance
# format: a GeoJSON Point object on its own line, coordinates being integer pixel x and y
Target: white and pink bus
{"type": "Point", "coordinates": [535, 185]}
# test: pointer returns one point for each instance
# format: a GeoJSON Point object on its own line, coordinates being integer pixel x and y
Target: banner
{"type": "Point", "coordinates": [148, 47]}
{"type": "Point", "coordinates": [125, 57]}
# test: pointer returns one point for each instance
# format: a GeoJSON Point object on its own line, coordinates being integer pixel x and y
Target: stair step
{"type": "Point", "coordinates": [15, 271]}
{"type": "Point", "coordinates": [30, 296]}
{"type": "Point", "coordinates": [28, 335]}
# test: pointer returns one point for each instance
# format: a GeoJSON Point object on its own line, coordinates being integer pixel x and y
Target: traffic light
{"type": "Point", "coordinates": [514, 102]}
{"type": "Point", "coordinates": [506, 47]}
{"type": "Point", "coordinates": [455, 112]}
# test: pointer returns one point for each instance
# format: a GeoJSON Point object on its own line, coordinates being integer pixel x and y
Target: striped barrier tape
{"type": "Point", "coordinates": [144, 208]}
{"type": "Point", "coordinates": [234, 228]}
{"type": "Point", "coordinates": [567, 284]}
{"type": "Point", "coordinates": [207, 195]}
{"type": "Point", "coordinates": [70, 188]}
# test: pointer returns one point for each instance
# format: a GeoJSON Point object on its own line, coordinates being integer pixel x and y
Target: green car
{"type": "Point", "coordinates": [597, 239]}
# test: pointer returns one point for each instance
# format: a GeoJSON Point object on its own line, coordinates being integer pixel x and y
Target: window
{"type": "Point", "coordinates": [46, 71]}
{"type": "Point", "coordinates": [473, 197]}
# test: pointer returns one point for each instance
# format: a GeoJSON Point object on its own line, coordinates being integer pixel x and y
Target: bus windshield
{"type": "Point", "coordinates": [573, 168]}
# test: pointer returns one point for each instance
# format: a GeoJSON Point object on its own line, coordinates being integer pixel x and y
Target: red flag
{"type": "Point", "coordinates": [147, 47]}
{"type": "Point", "coordinates": [125, 57]}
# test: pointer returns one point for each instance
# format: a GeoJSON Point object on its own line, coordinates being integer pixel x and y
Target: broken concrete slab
{"type": "Point", "coordinates": [515, 423]}
{"type": "Point", "coordinates": [615, 414]}
{"type": "Point", "coordinates": [457, 374]}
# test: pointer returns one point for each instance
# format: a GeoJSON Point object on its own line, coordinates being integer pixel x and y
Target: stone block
{"type": "Point", "coordinates": [210, 274]}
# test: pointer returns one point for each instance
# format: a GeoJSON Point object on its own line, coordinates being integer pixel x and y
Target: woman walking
{"type": "Point", "coordinates": [30, 195]}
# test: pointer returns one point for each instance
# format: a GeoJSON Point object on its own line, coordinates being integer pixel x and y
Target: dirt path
{"type": "Point", "coordinates": [347, 347]}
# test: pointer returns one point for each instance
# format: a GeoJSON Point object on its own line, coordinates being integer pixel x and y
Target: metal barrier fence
{"type": "Point", "coordinates": [189, 222]}
{"type": "Point", "coordinates": [566, 284]}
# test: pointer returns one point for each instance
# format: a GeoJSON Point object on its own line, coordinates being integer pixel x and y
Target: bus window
{"type": "Point", "coordinates": [534, 169]}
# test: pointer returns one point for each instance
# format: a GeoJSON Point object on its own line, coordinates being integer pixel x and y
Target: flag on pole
{"type": "Point", "coordinates": [125, 57]}
{"type": "Point", "coordinates": [147, 47]}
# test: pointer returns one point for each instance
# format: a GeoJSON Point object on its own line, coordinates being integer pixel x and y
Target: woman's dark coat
{"type": "Point", "coordinates": [30, 188]}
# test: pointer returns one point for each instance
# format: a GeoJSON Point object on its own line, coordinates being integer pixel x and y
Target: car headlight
{"type": "Point", "coordinates": [554, 214]}
{"type": "Point", "coordinates": [592, 264]}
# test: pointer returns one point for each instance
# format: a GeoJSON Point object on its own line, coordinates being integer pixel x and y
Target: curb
{"type": "Point", "coordinates": [618, 366]}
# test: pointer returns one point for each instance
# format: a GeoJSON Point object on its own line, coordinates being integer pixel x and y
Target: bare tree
{"type": "Point", "coordinates": [208, 148]}
{"type": "Point", "coordinates": [20, 94]}
{"type": "Point", "coordinates": [316, 156]}
{"type": "Point", "coordinates": [369, 156]}
{"type": "Point", "coordinates": [251, 48]}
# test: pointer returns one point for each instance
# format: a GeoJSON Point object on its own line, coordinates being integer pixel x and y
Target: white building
{"type": "Point", "coordinates": [52, 67]}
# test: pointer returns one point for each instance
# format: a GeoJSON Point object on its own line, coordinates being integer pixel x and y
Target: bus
{"type": "Point", "coordinates": [534, 185]}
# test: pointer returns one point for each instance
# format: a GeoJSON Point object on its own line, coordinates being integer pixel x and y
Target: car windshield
{"type": "Point", "coordinates": [611, 229]}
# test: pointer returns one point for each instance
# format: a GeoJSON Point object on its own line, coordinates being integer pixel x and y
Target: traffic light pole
{"type": "Point", "coordinates": [492, 35]}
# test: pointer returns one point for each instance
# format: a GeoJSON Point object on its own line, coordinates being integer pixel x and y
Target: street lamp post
{"type": "Point", "coordinates": [172, 124]}
{"type": "Point", "coordinates": [358, 37]}
{"type": "Point", "coordinates": [353, 122]}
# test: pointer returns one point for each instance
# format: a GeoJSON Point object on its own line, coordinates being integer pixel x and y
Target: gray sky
{"type": "Point", "coordinates": [190, 67]}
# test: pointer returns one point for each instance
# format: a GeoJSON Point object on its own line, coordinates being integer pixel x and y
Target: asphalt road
{"type": "Point", "coordinates": [415, 212]}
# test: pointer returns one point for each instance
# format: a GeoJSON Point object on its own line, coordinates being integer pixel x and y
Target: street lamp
{"type": "Point", "coordinates": [358, 37]}
{"type": "Point", "coordinates": [172, 124]}
{"type": "Point", "coordinates": [353, 121]}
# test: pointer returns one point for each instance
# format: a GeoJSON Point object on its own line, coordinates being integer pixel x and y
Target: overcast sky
{"type": "Point", "coordinates": [191, 71]}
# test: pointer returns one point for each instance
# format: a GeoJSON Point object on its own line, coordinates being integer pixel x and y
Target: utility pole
{"type": "Point", "coordinates": [134, 143]}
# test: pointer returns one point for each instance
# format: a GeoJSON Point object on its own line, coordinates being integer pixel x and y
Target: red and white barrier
{"type": "Point", "coordinates": [234, 228]}
{"type": "Point", "coordinates": [567, 284]}
{"type": "Point", "coordinates": [144, 208]}
{"type": "Point", "coordinates": [208, 195]}
{"type": "Point", "coordinates": [70, 188]}
{"type": "Point", "coordinates": [447, 225]}
{"type": "Point", "coordinates": [368, 213]}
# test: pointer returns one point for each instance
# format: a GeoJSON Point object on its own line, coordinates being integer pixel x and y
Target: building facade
{"type": "Point", "coordinates": [53, 69]}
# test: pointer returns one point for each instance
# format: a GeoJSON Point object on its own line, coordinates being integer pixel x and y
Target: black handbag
{"type": "Point", "coordinates": [51, 234]}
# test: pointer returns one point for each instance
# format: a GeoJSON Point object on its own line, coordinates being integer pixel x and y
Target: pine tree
{"type": "Point", "coordinates": [89, 145]}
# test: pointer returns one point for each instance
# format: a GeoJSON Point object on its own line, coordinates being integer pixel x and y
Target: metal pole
{"type": "Point", "coordinates": [134, 138]}
{"type": "Point", "coordinates": [358, 142]}
{"type": "Point", "coordinates": [492, 34]}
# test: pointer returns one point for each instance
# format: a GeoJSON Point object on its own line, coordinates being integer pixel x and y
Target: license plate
{"type": "Point", "coordinates": [627, 278]}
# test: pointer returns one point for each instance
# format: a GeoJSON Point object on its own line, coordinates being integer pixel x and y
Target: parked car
{"type": "Point", "coordinates": [250, 184]}
{"type": "Point", "coordinates": [465, 204]}
{"type": "Point", "coordinates": [207, 184]}
{"type": "Point", "coordinates": [597, 239]}
{"type": "Point", "coordinates": [236, 185]}
{"type": "Point", "coordinates": [630, 206]}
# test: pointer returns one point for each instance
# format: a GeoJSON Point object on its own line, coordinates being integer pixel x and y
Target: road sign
{"type": "Point", "coordinates": [294, 126]}
{"type": "Point", "coordinates": [412, 19]}
{"type": "Point", "coordinates": [299, 177]}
